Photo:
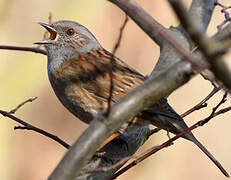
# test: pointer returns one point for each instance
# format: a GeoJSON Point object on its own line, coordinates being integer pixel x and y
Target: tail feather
{"type": "Point", "coordinates": [191, 137]}
{"type": "Point", "coordinates": [162, 115]}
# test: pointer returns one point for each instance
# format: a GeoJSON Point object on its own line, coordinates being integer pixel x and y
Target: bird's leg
{"type": "Point", "coordinates": [169, 137]}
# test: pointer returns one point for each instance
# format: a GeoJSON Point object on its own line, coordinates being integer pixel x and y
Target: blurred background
{"type": "Point", "coordinates": [26, 155]}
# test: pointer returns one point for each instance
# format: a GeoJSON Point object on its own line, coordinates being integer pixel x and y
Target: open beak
{"type": "Point", "coordinates": [51, 30]}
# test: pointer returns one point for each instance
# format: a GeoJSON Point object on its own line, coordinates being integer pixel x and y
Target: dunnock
{"type": "Point", "coordinates": [78, 70]}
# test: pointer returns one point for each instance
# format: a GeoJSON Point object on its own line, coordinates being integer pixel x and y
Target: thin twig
{"type": "Point", "coordinates": [226, 15]}
{"type": "Point", "coordinates": [208, 78]}
{"type": "Point", "coordinates": [31, 127]}
{"type": "Point", "coordinates": [116, 46]}
{"type": "Point", "coordinates": [155, 149]}
{"type": "Point", "coordinates": [22, 104]}
{"type": "Point", "coordinates": [213, 114]}
{"type": "Point", "coordinates": [222, 111]}
{"type": "Point", "coordinates": [202, 103]}
{"type": "Point", "coordinates": [23, 48]}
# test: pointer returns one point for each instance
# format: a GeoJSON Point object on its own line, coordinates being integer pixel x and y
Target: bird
{"type": "Point", "coordinates": [79, 73]}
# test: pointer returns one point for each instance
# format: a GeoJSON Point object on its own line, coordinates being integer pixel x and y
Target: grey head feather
{"type": "Point", "coordinates": [65, 47]}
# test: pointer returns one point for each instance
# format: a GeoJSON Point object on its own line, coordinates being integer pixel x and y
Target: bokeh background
{"type": "Point", "coordinates": [26, 155]}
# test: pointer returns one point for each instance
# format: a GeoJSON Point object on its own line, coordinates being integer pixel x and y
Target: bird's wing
{"type": "Point", "coordinates": [162, 115]}
{"type": "Point", "coordinates": [124, 77]}
{"type": "Point", "coordinates": [90, 72]}
{"type": "Point", "coordinates": [163, 108]}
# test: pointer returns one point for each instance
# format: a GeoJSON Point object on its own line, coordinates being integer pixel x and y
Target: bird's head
{"type": "Point", "coordinates": [68, 38]}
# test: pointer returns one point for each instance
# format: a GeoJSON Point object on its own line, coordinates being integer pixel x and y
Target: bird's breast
{"type": "Point", "coordinates": [72, 94]}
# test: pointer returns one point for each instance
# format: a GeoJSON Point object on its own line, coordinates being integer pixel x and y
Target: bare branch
{"type": "Point", "coordinates": [226, 15]}
{"type": "Point", "coordinates": [197, 63]}
{"type": "Point", "coordinates": [31, 127]}
{"type": "Point", "coordinates": [28, 126]}
{"type": "Point", "coordinates": [156, 31]}
{"type": "Point", "coordinates": [202, 103]}
{"type": "Point", "coordinates": [222, 111]}
{"type": "Point", "coordinates": [22, 104]}
{"type": "Point", "coordinates": [211, 50]}
{"type": "Point", "coordinates": [213, 114]}
{"type": "Point", "coordinates": [23, 48]}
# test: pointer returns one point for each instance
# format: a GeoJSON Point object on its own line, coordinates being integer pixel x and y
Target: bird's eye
{"type": "Point", "coordinates": [70, 32]}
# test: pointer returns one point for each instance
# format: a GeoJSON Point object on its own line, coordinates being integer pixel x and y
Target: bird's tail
{"type": "Point", "coordinates": [162, 115]}
{"type": "Point", "coordinates": [210, 156]}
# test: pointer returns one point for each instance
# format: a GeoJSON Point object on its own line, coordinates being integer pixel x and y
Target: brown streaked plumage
{"type": "Point", "coordinates": [90, 80]}
{"type": "Point", "coordinates": [78, 70]}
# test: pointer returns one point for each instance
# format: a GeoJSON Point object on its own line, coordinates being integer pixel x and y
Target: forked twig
{"type": "Point", "coordinates": [33, 128]}
{"type": "Point", "coordinates": [28, 126]}
{"type": "Point", "coordinates": [202, 103]}
{"type": "Point", "coordinates": [226, 15]}
{"type": "Point", "coordinates": [214, 113]}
